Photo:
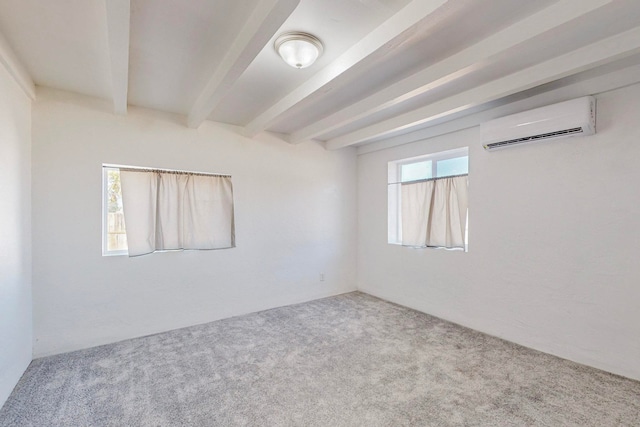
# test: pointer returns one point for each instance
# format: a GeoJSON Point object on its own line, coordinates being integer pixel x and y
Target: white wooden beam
{"type": "Point", "coordinates": [15, 68]}
{"type": "Point", "coordinates": [593, 55]}
{"type": "Point", "coordinates": [453, 67]}
{"type": "Point", "coordinates": [373, 43]}
{"type": "Point", "coordinates": [118, 25]}
{"type": "Point", "coordinates": [262, 24]}
{"type": "Point", "coordinates": [594, 85]}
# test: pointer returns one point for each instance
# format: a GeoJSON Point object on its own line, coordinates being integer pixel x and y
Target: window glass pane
{"type": "Point", "coordinates": [416, 171]}
{"type": "Point", "coordinates": [455, 166]}
{"type": "Point", "coordinates": [428, 166]}
{"type": "Point", "coordinates": [116, 234]}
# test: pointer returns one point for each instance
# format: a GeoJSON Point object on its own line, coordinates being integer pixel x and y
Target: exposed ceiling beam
{"type": "Point", "coordinates": [262, 24]}
{"type": "Point", "coordinates": [593, 85]}
{"type": "Point", "coordinates": [15, 68]}
{"type": "Point", "coordinates": [390, 30]}
{"type": "Point", "coordinates": [593, 55]}
{"type": "Point", "coordinates": [118, 25]}
{"type": "Point", "coordinates": [453, 67]}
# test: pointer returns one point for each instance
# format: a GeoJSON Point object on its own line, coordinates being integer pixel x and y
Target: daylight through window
{"type": "Point", "coordinates": [115, 234]}
{"type": "Point", "coordinates": [432, 192]}
{"type": "Point", "coordinates": [157, 210]}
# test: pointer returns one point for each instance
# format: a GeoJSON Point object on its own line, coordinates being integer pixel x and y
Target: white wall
{"type": "Point", "coordinates": [554, 241]}
{"type": "Point", "coordinates": [295, 210]}
{"type": "Point", "coordinates": [15, 234]}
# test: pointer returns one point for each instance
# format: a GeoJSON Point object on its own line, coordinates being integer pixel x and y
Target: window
{"type": "Point", "coordinates": [114, 235]}
{"type": "Point", "coordinates": [451, 163]}
{"type": "Point", "coordinates": [156, 210]}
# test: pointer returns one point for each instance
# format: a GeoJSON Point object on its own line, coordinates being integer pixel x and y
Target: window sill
{"type": "Point", "coordinates": [466, 249]}
{"type": "Point", "coordinates": [115, 253]}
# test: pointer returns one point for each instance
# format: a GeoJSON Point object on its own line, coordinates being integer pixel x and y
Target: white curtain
{"type": "Point", "coordinates": [434, 212]}
{"type": "Point", "coordinates": [175, 210]}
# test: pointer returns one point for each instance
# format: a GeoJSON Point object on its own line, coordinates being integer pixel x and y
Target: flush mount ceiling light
{"type": "Point", "coordinates": [299, 50]}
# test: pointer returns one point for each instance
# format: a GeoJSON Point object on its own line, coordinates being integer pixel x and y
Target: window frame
{"type": "Point", "coordinates": [394, 182]}
{"type": "Point", "coordinates": [105, 213]}
{"type": "Point", "coordinates": [106, 167]}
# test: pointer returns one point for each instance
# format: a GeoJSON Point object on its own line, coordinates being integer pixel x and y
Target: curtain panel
{"type": "Point", "coordinates": [434, 212]}
{"type": "Point", "coordinates": [176, 210]}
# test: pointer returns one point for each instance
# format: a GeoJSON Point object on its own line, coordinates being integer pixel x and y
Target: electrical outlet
{"type": "Point", "coordinates": [322, 277]}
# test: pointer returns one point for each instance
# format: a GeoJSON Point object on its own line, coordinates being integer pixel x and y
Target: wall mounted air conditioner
{"type": "Point", "coordinates": [569, 118]}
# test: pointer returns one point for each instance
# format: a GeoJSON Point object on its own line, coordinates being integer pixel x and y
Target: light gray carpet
{"type": "Point", "coordinates": [350, 360]}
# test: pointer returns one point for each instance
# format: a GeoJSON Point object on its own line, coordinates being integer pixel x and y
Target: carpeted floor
{"type": "Point", "coordinates": [350, 360]}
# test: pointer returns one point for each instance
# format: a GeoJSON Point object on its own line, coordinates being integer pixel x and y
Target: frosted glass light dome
{"type": "Point", "coordinates": [299, 50]}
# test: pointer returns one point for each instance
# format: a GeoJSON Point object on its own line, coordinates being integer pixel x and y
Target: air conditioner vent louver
{"type": "Point", "coordinates": [569, 118]}
{"type": "Point", "coordinates": [555, 134]}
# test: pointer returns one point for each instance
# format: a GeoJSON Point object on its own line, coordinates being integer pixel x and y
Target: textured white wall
{"type": "Point", "coordinates": [295, 210]}
{"type": "Point", "coordinates": [15, 234]}
{"type": "Point", "coordinates": [554, 241]}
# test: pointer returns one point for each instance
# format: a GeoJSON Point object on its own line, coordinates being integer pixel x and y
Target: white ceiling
{"type": "Point", "coordinates": [389, 66]}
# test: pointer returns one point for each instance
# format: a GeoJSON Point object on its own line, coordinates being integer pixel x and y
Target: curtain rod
{"type": "Point", "coordinates": [429, 179]}
{"type": "Point", "coordinates": [175, 171]}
